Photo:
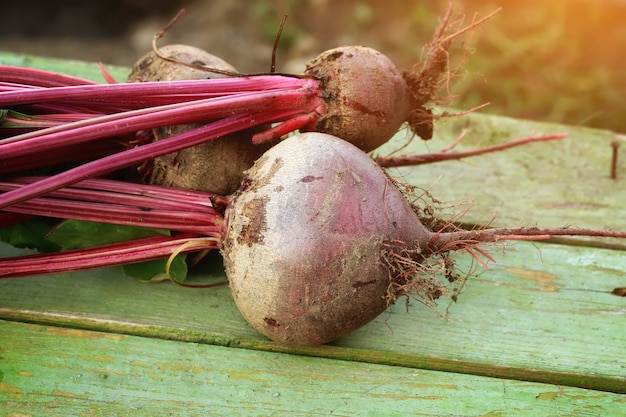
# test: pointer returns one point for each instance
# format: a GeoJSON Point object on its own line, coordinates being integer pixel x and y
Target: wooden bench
{"type": "Point", "coordinates": [537, 334]}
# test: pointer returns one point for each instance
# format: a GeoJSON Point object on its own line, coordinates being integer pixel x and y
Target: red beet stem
{"type": "Point", "coordinates": [165, 195]}
{"type": "Point", "coordinates": [138, 250]}
{"type": "Point", "coordinates": [133, 156]}
{"type": "Point", "coordinates": [305, 99]}
{"type": "Point", "coordinates": [142, 94]}
{"type": "Point", "coordinates": [129, 216]}
{"type": "Point", "coordinates": [121, 192]}
{"type": "Point", "coordinates": [15, 120]}
{"type": "Point", "coordinates": [110, 201]}
{"type": "Point", "coordinates": [67, 154]}
{"type": "Point", "coordinates": [68, 109]}
{"type": "Point", "coordinates": [158, 210]}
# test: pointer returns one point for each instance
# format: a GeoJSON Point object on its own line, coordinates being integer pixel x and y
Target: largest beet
{"type": "Point", "coordinates": [306, 236]}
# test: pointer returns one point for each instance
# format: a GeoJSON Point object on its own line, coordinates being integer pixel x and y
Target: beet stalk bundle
{"type": "Point", "coordinates": [354, 93]}
{"type": "Point", "coordinates": [190, 217]}
{"type": "Point", "coordinates": [331, 97]}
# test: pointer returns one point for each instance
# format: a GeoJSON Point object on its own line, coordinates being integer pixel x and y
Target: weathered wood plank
{"type": "Point", "coordinates": [542, 313]}
{"type": "Point", "coordinates": [81, 69]}
{"type": "Point", "coordinates": [56, 371]}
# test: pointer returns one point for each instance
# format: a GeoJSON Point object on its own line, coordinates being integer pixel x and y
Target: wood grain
{"type": "Point", "coordinates": [69, 372]}
{"type": "Point", "coordinates": [528, 317]}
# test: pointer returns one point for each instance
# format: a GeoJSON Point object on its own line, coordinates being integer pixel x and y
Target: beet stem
{"type": "Point", "coordinates": [138, 250]}
{"type": "Point", "coordinates": [142, 93]}
{"type": "Point", "coordinates": [98, 205]}
{"type": "Point", "coordinates": [131, 216]}
{"type": "Point", "coordinates": [148, 118]}
{"type": "Point", "coordinates": [68, 154]}
{"type": "Point", "coordinates": [119, 203]}
{"type": "Point", "coordinates": [133, 156]}
{"type": "Point", "coordinates": [288, 126]}
{"type": "Point", "coordinates": [120, 192]}
{"type": "Point", "coordinates": [39, 78]}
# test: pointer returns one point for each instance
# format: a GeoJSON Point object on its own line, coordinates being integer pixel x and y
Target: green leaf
{"type": "Point", "coordinates": [30, 234]}
{"type": "Point", "coordinates": [16, 116]}
{"type": "Point", "coordinates": [153, 270]}
{"type": "Point", "coordinates": [76, 234]}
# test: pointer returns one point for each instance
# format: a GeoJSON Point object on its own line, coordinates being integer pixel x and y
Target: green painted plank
{"type": "Point", "coordinates": [68, 372]}
{"type": "Point", "coordinates": [81, 69]}
{"type": "Point", "coordinates": [542, 313]}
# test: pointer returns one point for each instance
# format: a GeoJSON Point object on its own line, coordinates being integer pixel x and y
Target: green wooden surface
{"type": "Point", "coordinates": [68, 372]}
{"type": "Point", "coordinates": [548, 184]}
{"type": "Point", "coordinates": [537, 322]}
{"type": "Point", "coordinates": [543, 313]}
{"type": "Point", "coordinates": [81, 69]}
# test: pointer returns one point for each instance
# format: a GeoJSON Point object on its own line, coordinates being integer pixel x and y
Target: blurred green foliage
{"type": "Point", "coordinates": [559, 61]}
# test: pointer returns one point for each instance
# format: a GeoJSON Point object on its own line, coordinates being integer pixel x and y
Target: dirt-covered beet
{"type": "Point", "coordinates": [304, 246]}
{"type": "Point", "coordinates": [214, 166]}
{"type": "Point", "coordinates": [367, 98]}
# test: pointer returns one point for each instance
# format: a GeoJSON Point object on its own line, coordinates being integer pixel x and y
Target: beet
{"type": "Point", "coordinates": [354, 93]}
{"type": "Point", "coordinates": [306, 238]}
{"type": "Point", "coordinates": [214, 166]}
{"type": "Point", "coordinates": [367, 99]}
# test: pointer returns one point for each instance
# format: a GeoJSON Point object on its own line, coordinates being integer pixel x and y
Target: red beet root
{"type": "Point", "coordinates": [214, 166]}
{"type": "Point", "coordinates": [367, 100]}
{"type": "Point", "coordinates": [306, 239]}
{"type": "Point", "coordinates": [354, 93]}
{"type": "Point", "coordinates": [320, 241]}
